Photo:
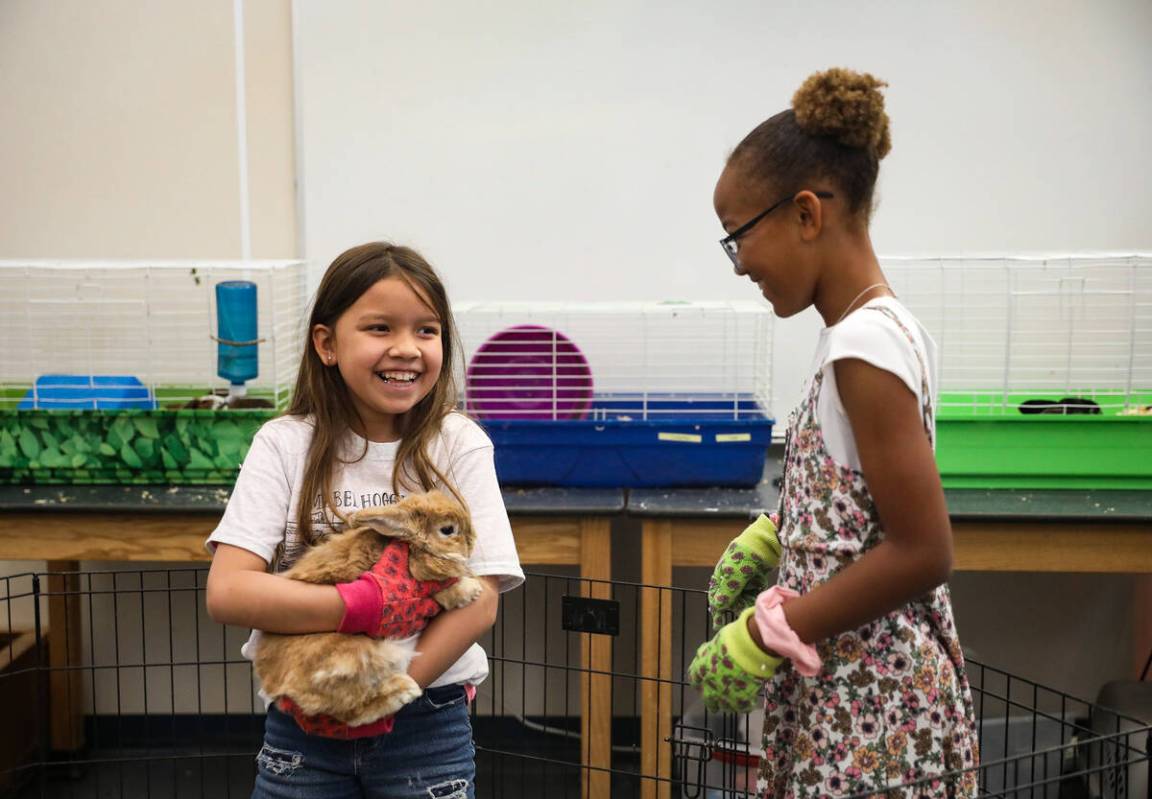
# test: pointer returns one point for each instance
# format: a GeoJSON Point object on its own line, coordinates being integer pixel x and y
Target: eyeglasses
{"type": "Point", "coordinates": [731, 242]}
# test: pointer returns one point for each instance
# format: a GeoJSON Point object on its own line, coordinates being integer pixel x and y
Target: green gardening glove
{"type": "Point", "coordinates": [730, 670]}
{"type": "Point", "coordinates": [743, 571]}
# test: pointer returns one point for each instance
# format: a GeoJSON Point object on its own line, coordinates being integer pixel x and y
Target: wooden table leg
{"type": "Point", "coordinates": [656, 659]}
{"type": "Point", "coordinates": [596, 656]}
{"type": "Point", "coordinates": [66, 687]}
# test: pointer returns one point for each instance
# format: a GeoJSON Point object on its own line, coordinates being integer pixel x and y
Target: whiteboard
{"type": "Point", "coordinates": [549, 151]}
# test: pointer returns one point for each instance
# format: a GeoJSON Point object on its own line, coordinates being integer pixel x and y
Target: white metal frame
{"type": "Point", "coordinates": [150, 319]}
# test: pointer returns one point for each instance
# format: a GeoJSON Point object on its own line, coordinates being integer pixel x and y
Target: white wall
{"type": "Point", "coordinates": [118, 134]}
{"type": "Point", "coordinates": [543, 151]}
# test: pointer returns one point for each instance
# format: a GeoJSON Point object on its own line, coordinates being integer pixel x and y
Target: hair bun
{"type": "Point", "coordinates": [846, 106]}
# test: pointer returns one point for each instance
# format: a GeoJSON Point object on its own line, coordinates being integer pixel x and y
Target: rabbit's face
{"type": "Point", "coordinates": [441, 525]}
{"type": "Point", "coordinates": [433, 522]}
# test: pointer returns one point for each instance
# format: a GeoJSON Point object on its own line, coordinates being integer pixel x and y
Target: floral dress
{"type": "Point", "coordinates": [891, 704]}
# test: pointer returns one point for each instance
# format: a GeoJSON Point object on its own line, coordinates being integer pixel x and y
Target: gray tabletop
{"type": "Point", "coordinates": [1098, 505]}
{"type": "Point", "coordinates": [741, 503]}
{"type": "Point", "coordinates": [964, 504]}
{"type": "Point", "coordinates": [211, 499]}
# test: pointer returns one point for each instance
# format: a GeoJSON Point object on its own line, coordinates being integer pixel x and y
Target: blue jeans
{"type": "Point", "coordinates": [428, 755]}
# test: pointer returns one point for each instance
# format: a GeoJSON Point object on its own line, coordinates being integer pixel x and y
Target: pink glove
{"type": "Point", "coordinates": [386, 601]}
{"type": "Point", "coordinates": [778, 636]}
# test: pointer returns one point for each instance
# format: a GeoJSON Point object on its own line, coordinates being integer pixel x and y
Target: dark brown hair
{"type": "Point", "coordinates": [322, 394]}
{"type": "Point", "coordinates": [836, 131]}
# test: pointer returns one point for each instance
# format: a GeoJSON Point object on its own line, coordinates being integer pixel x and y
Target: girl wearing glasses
{"type": "Point", "coordinates": [854, 649]}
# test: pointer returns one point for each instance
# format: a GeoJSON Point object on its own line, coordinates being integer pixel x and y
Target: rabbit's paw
{"type": "Point", "coordinates": [463, 592]}
{"type": "Point", "coordinates": [397, 692]}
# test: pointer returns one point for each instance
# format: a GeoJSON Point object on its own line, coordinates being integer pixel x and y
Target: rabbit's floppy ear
{"type": "Point", "coordinates": [393, 521]}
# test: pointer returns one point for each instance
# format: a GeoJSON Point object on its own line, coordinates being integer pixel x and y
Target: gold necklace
{"type": "Point", "coordinates": [857, 297]}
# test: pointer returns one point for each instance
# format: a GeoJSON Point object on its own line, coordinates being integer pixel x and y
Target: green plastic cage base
{"type": "Point", "coordinates": [976, 448]}
{"type": "Point", "coordinates": [126, 447]}
{"type": "Point", "coordinates": [983, 441]}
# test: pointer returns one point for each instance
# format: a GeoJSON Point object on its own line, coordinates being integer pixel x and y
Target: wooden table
{"type": "Point", "coordinates": [994, 531]}
{"type": "Point", "coordinates": [66, 524]}
{"type": "Point", "coordinates": [1025, 531]}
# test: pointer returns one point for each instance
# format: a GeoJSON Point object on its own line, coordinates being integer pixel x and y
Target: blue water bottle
{"type": "Point", "coordinates": [236, 353]}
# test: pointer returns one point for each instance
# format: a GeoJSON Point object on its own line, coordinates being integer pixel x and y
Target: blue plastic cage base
{"type": "Point", "coordinates": [682, 442]}
{"type": "Point", "coordinates": [58, 392]}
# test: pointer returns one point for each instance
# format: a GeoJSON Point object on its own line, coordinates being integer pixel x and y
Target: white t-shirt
{"type": "Point", "coordinates": [873, 337]}
{"type": "Point", "coordinates": [261, 513]}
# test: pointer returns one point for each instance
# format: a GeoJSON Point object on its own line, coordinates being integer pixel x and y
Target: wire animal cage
{"type": "Point", "coordinates": [1045, 368]}
{"type": "Point", "coordinates": [621, 394]}
{"type": "Point", "coordinates": [118, 371]}
{"type": "Point", "coordinates": [124, 687]}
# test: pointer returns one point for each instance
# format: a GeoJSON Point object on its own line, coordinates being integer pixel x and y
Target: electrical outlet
{"type": "Point", "coordinates": [583, 615]}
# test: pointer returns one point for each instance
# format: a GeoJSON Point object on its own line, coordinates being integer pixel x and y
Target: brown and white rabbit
{"type": "Point", "coordinates": [353, 678]}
